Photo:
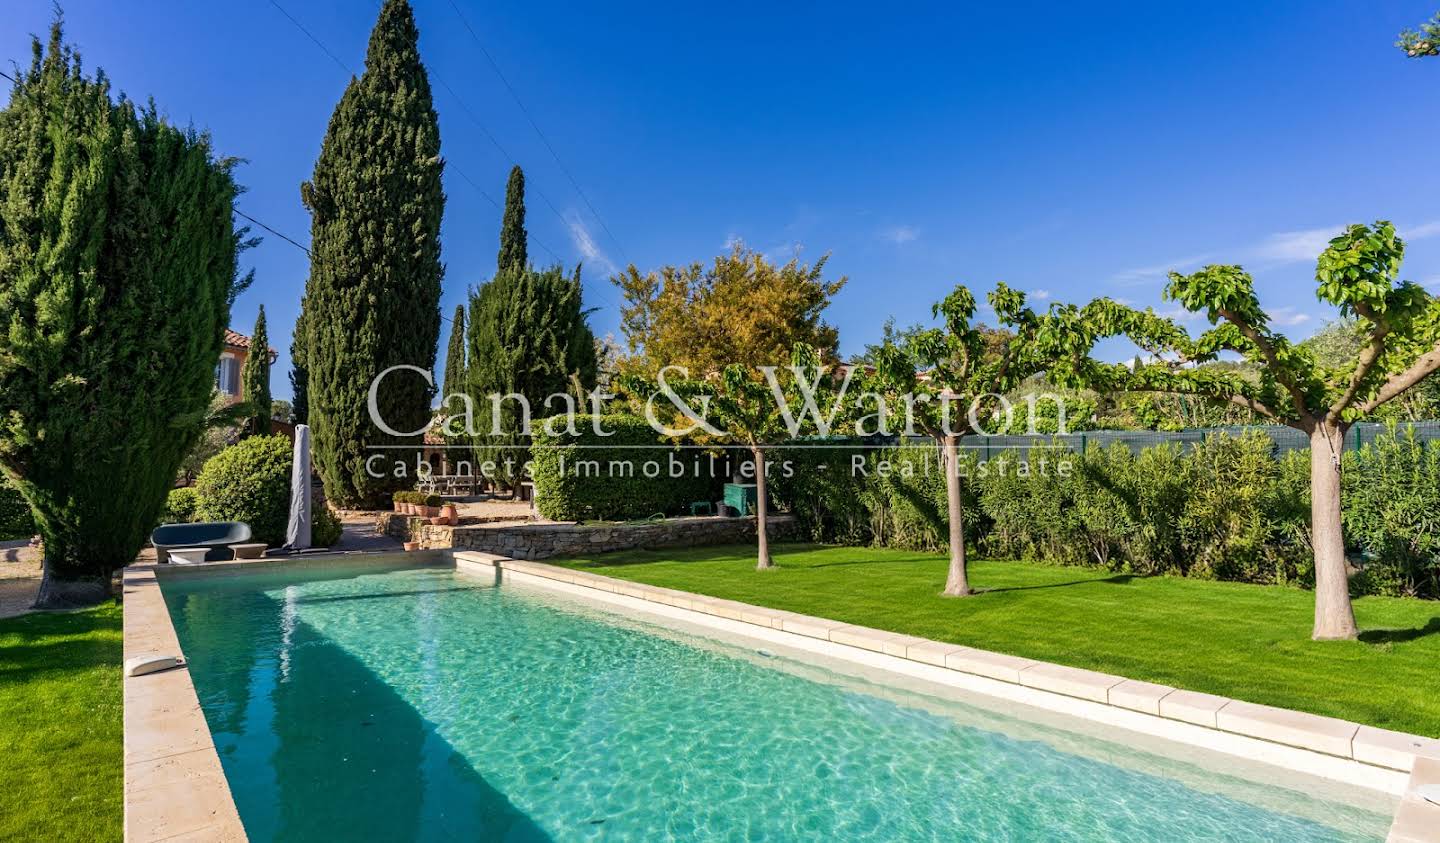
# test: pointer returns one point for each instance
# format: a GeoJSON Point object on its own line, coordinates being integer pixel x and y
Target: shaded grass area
{"type": "Point", "coordinates": [60, 726]}
{"type": "Point", "coordinates": [1243, 641]}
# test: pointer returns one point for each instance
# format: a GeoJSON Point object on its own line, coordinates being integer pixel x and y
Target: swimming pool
{"type": "Point", "coordinates": [431, 705]}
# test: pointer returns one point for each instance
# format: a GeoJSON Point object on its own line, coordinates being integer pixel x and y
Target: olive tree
{"type": "Point", "coordinates": [1400, 324]}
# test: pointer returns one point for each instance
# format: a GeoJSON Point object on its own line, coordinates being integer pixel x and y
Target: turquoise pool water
{"type": "Point", "coordinates": [430, 705]}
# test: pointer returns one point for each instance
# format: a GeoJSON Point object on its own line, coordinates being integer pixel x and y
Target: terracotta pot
{"type": "Point", "coordinates": [429, 511]}
{"type": "Point", "coordinates": [436, 521]}
{"type": "Point", "coordinates": [450, 514]}
{"type": "Point", "coordinates": [409, 509]}
{"type": "Point", "coordinates": [410, 546]}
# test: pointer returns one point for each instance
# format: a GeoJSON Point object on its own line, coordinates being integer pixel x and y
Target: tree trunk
{"type": "Point", "coordinates": [957, 583]}
{"type": "Point", "coordinates": [761, 513]}
{"type": "Point", "coordinates": [57, 594]}
{"type": "Point", "coordinates": [1334, 617]}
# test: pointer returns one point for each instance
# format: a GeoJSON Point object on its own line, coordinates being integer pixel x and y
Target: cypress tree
{"type": "Point", "coordinates": [299, 373]}
{"type": "Point", "coordinates": [512, 228]}
{"type": "Point", "coordinates": [527, 336]}
{"type": "Point", "coordinates": [455, 356]}
{"type": "Point", "coordinates": [255, 380]}
{"type": "Point", "coordinates": [373, 297]}
{"type": "Point", "coordinates": [118, 266]}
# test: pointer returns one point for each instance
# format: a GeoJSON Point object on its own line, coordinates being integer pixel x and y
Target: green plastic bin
{"type": "Point", "coordinates": [740, 497]}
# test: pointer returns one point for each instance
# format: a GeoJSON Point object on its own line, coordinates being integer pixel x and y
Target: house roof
{"type": "Point", "coordinates": [235, 339]}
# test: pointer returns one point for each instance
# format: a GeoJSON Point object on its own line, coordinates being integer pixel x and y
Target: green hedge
{"type": "Point", "coordinates": [1392, 513]}
{"type": "Point", "coordinates": [590, 477]}
{"type": "Point", "coordinates": [1224, 509]}
{"type": "Point", "coordinates": [16, 522]}
{"type": "Point", "coordinates": [249, 481]}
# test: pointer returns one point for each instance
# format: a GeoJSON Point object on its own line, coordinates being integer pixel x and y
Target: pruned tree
{"type": "Point", "coordinates": [747, 407]}
{"type": "Point", "coordinates": [118, 267]}
{"type": "Point", "coordinates": [1357, 273]}
{"type": "Point", "coordinates": [255, 380]}
{"type": "Point", "coordinates": [950, 379]}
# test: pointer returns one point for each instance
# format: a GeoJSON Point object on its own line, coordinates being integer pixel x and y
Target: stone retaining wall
{"type": "Point", "coordinates": [545, 541]}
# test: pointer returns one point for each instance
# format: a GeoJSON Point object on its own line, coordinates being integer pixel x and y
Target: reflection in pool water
{"type": "Point", "coordinates": [427, 705]}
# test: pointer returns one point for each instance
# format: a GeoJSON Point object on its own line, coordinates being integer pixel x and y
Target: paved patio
{"type": "Point", "coordinates": [19, 577]}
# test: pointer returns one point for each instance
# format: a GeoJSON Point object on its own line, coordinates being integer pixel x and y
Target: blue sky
{"type": "Point", "coordinates": [1068, 149]}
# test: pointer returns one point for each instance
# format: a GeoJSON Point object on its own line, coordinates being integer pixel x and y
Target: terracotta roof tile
{"type": "Point", "coordinates": [235, 339]}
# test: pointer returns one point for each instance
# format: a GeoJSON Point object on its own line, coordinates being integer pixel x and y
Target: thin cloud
{"type": "Point", "coordinates": [1288, 317]}
{"type": "Point", "coordinates": [1421, 231]}
{"type": "Point", "coordinates": [1295, 246]}
{"type": "Point", "coordinates": [1039, 295]}
{"type": "Point", "coordinates": [1305, 245]}
{"type": "Point", "coordinates": [587, 247]}
{"type": "Point", "coordinates": [900, 234]}
{"type": "Point", "coordinates": [1156, 273]}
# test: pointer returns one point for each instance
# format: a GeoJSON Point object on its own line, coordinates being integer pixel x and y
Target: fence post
{"type": "Point", "coordinates": [1082, 443]}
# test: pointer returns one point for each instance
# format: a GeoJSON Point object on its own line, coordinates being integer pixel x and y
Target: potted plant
{"type": "Point", "coordinates": [397, 500]}
{"type": "Point", "coordinates": [449, 514]}
{"type": "Point", "coordinates": [431, 505]}
{"type": "Point", "coordinates": [412, 546]}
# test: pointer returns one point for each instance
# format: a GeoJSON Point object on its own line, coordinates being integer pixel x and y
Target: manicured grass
{"type": "Point", "coordinates": [1242, 641]}
{"type": "Point", "coordinates": [60, 726]}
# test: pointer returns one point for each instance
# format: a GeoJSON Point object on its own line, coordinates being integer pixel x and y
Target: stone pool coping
{"type": "Point", "coordinates": [1310, 743]}
{"type": "Point", "coordinates": [175, 787]}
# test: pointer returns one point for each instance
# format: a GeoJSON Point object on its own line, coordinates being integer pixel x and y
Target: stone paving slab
{"type": "Point", "coordinates": [175, 788]}
{"type": "Point", "coordinates": [1324, 735]}
{"type": "Point", "coordinates": [1418, 820]}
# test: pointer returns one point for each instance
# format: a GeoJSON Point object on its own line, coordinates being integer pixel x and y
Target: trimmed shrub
{"type": "Point", "coordinates": [180, 506]}
{"type": "Point", "coordinates": [250, 482]}
{"type": "Point", "coordinates": [325, 528]}
{"type": "Point", "coordinates": [826, 497]}
{"type": "Point", "coordinates": [16, 522]}
{"type": "Point", "coordinates": [620, 476]}
{"type": "Point", "coordinates": [1392, 514]}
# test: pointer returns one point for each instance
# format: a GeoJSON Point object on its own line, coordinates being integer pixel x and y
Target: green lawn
{"type": "Point", "coordinates": [60, 716]}
{"type": "Point", "coordinates": [1242, 641]}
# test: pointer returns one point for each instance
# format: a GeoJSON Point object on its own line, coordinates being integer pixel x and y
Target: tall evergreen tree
{"type": "Point", "coordinates": [513, 239]}
{"type": "Point", "coordinates": [527, 336]}
{"type": "Point", "coordinates": [255, 380]}
{"type": "Point", "coordinates": [299, 371]}
{"type": "Point", "coordinates": [118, 266]}
{"type": "Point", "coordinates": [373, 298]}
{"type": "Point", "coordinates": [455, 356]}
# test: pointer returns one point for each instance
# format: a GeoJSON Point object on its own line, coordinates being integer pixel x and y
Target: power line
{"type": "Point", "coordinates": [296, 244]}
{"type": "Point", "coordinates": [343, 66]}
{"type": "Point", "coordinates": [544, 140]}
{"type": "Point", "coordinates": [466, 108]}
{"type": "Point", "coordinates": [302, 247]}
{"type": "Point", "coordinates": [495, 142]}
